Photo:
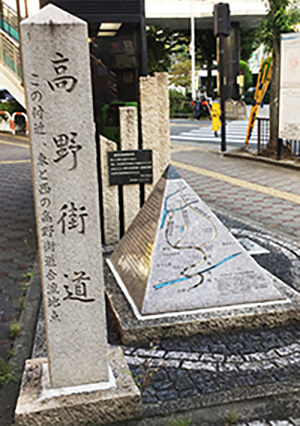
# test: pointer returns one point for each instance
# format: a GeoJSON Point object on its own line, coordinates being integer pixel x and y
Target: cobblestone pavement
{"type": "Point", "coordinates": [204, 364]}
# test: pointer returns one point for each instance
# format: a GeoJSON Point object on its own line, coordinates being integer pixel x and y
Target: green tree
{"type": "Point", "coordinates": [206, 54]}
{"type": "Point", "coordinates": [281, 16]}
{"type": "Point", "coordinates": [248, 79]}
{"type": "Point", "coordinates": [163, 44]}
{"type": "Point", "coordinates": [180, 73]}
{"type": "Point", "coordinates": [249, 42]}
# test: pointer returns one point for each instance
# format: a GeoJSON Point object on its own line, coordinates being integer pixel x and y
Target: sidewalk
{"type": "Point", "coordinates": [18, 248]}
{"type": "Point", "coordinates": [253, 373]}
{"type": "Point", "coordinates": [261, 192]}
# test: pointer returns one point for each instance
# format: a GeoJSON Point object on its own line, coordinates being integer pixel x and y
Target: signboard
{"type": "Point", "coordinates": [289, 119]}
{"type": "Point", "coordinates": [130, 167]}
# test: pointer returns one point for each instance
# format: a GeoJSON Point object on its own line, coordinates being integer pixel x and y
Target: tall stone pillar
{"type": "Point", "coordinates": [232, 61]}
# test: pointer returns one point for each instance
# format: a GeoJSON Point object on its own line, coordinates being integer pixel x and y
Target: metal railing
{"type": "Point", "coordinates": [9, 22]}
{"type": "Point", "coordinates": [263, 133]}
{"type": "Point", "coordinates": [10, 55]}
{"type": "Point", "coordinates": [263, 136]}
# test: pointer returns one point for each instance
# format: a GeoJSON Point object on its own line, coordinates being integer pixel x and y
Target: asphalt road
{"type": "Point", "coordinates": [199, 132]}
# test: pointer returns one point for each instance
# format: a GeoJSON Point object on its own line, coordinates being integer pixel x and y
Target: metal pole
{"type": "Point", "coordinates": [143, 46]}
{"type": "Point", "coordinates": [192, 47]}
{"type": "Point", "coordinates": [222, 92]}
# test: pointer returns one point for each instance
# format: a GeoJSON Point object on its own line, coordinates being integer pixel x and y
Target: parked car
{"type": "Point", "coordinates": [5, 96]}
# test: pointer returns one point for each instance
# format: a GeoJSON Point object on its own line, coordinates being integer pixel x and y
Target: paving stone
{"type": "Point", "coordinates": [187, 393]}
{"type": "Point", "coordinates": [160, 375]}
{"type": "Point", "coordinates": [166, 395]}
{"type": "Point", "coordinates": [226, 367]}
{"type": "Point", "coordinates": [206, 366]}
{"type": "Point", "coordinates": [212, 357]}
{"type": "Point", "coordinates": [245, 380]}
{"type": "Point", "coordinates": [162, 386]}
{"type": "Point", "coordinates": [4, 330]}
{"type": "Point", "coordinates": [180, 379]}
{"type": "Point", "coordinates": [182, 355]}
{"type": "Point", "coordinates": [234, 359]}
{"type": "Point", "coordinates": [148, 353]}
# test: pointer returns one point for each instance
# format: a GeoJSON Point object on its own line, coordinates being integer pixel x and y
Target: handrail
{"type": "Point", "coordinates": [10, 55]}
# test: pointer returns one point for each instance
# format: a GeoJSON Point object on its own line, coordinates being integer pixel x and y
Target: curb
{"type": "Point", "coordinates": [23, 346]}
{"type": "Point", "coordinates": [286, 238]}
{"type": "Point", "coordinates": [290, 165]}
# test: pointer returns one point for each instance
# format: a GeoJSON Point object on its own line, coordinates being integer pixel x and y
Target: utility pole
{"type": "Point", "coordinates": [143, 35]}
{"type": "Point", "coordinates": [192, 49]}
{"type": "Point", "coordinates": [222, 92]}
{"type": "Point", "coordinates": [222, 29]}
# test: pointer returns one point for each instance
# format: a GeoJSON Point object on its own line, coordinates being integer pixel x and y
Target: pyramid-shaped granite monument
{"type": "Point", "coordinates": [177, 257]}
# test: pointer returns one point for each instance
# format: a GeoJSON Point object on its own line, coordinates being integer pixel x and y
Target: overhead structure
{"type": "Point", "coordinates": [175, 14]}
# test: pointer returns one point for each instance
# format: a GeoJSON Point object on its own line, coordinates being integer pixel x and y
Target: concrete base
{"type": "Point", "coordinates": [136, 329]}
{"type": "Point", "coordinates": [99, 407]}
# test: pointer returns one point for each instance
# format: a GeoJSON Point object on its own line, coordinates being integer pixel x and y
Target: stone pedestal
{"type": "Point", "coordinates": [120, 402]}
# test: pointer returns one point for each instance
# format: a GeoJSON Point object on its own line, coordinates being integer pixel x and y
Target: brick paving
{"type": "Point", "coordinates": [268, 211]}
{"type": "Point", "coordinates": [17, 235]}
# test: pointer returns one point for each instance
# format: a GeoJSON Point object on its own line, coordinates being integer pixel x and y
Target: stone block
{"type": "Point", "coordinates": [129, 141]}
{"type": "Point", "coordinates": [149, 124]}
{"type": "Point", "coordinates": [163, 105]}
{"type": "Point", "coordinates": [98, 407]}
{"type": "Point", "coordinates": [110, 197]}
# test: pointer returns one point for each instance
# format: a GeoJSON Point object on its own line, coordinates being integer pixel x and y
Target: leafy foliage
{"type": "Point", "coordinates": [281, 17]}
{"type": "Point", "coordinates": [6, 375]}
{"type": "Point", "coordinates": [249, 42]}
{"type": "Point", "coordinates": [15, 330]}
{"type": "Point", "coordinates": [179, 103]}
{"type": "Point", "coordinates": [181, 71]}
{"type": "Point", "coordinates": [163, 44]}
{"type": "Point", "coordinates": [179, 422]}
{"type": "Point", "coordinates": [11, 107]}
{"type": "Point", "coordinates": [247, 74]}
{"type": "Point", "coordinates": [143, 379]}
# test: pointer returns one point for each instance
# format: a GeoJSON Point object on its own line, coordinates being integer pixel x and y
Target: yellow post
{"type": "Point", "coordinates": [215, 117]}
{"type": "Point", "coordinates": [263, 81]}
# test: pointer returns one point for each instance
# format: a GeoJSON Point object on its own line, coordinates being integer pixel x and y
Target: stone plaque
{"type": "Point", "coordinates": [130, 167]}
{"type": "Point", "coordinates": [177, 256]}
{"type": "Point", "coordinates": [58, 89]}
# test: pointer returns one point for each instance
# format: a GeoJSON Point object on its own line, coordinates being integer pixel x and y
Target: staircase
{"type": "Point", "coordinates": [10, 58]}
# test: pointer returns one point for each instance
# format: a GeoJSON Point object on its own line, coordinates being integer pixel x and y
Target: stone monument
{"type": "Point", "coordinates": [178, 261]}
{"type": "Point", "coordinates": [59, 101]}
